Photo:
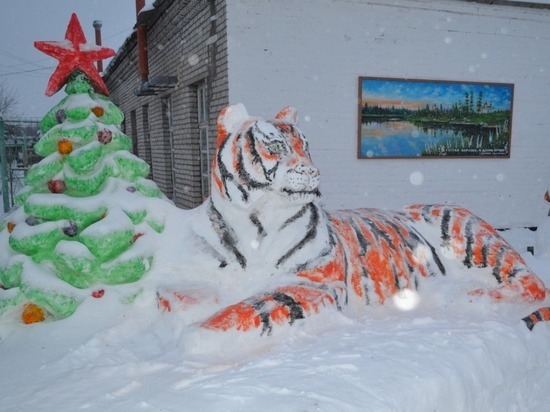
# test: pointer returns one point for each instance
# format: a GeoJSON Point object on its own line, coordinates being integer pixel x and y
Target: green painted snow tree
{"type": "Point", "coordinates": [86, 206]}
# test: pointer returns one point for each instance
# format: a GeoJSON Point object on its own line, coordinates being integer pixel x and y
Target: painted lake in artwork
{"type": "Point", "coordinates": [391, 138]}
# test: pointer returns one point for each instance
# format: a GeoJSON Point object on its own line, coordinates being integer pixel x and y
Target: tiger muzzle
{"type": "Point", "coordinates": [303, 178]}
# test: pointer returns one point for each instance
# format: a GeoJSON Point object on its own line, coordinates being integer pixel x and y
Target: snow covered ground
{"type": "Point", "coordinates": [450, 353]}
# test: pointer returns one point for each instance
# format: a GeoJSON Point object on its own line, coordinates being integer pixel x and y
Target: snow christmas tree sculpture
{"type": "Point", "coordinates": [85, 206]}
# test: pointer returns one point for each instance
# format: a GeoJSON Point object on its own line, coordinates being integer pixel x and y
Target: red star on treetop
{"type": "Point", "coordinates": [74, 53]}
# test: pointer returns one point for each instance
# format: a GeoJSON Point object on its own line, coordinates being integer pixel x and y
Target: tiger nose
{"type": "Point", "coordinates": [311, 175]}
{"type": "Point", "coordinates": [307, 170]}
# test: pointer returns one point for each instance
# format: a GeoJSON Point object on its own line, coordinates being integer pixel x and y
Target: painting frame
{"type": "Point", "coordinates": [401, 118]}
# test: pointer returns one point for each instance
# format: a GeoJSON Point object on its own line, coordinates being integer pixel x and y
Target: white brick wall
{"type": "Point", "coordinates": [310, 53]}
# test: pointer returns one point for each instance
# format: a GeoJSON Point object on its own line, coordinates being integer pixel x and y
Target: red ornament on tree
{"type": "Point", "coordinates": [57, 186]}
{"type": "Point", "coordinates": [72, 55]}
{"type": "Point", "coordinates": [98, 293]}
{"type": "Point", "coordinates": [137, 236]}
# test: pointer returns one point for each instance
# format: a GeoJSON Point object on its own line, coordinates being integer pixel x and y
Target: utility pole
{"type": "Point", "coordinates": [4, 167]}
{"type": "Point", "coordinates": [97, 27]}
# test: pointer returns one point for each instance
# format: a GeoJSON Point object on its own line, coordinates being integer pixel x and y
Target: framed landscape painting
{"type": "Point", "coordinates": [403, 118]}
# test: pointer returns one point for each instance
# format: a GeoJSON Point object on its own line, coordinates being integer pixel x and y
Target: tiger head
{"type": "Point", "coordinates": [260, 162]}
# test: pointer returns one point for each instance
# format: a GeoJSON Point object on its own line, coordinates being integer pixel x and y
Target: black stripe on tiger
{"type": "Point", "coordinates": [256, 222]}
{"type": "Point", "coordinates": [326, 251]}
{"type": "Point", "coordinates": [389, 220]}
{"type": "Point", "coordinates": [294, 217]}
{"type": "Point", "coordinates": [256, 158]}
{"type": "Point", "coordinates": [377, 232]}
{"type": "Point", "coordinates": [336, 297]}
{"type": "Point", "coordinates": [498, 264]}
{"type": "Point", "coordinates": [514, 271]}
{"type": "Point", "coordinates": [445, 222]}
{"type": "Point", "coordinates": [259, 305]}
{"type": "Point", "coordinates": [227, 176]}
{"type": "Point", "coordinates": [402, 232]}
{"type": "Point", "coordinates": [484, 255]}
{"type": "Point", "coordinates": [414, 238]}
{"type": "Point", "coordinates": [469, 243]}
{"type": "Point", "coordinates": [540, 315]}
{"type": "Point", "coordinates": [346, 289]}
{"type": "Point", "coordinates": [395, 276]}
{"type": "Point", "coordinates": [437, 261]}
{"type": "Point", "coordinates": [225, 234]}
{"type": "Point", "coordinates": [310, 234]}
{"type": "Point", "coordinates": [365, 275]}
{"type": "Point", "coordinates": [426, 213]}
{"type": "Point", "coordinates": [316, 192]}
{"type": "Point", "coordinates": [245, 177]}
{"type": "Point", "coordinates": [295, 310]}
{"type": "Point", "coordinates": [267, 326]}
{"type": "Point", "coordinates": [362, 241]}
{"type": "Point", "coordinates": [421, 239]}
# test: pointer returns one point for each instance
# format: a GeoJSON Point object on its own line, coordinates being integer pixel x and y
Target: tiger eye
{"type": "Point", "coordinates": [275, 148]}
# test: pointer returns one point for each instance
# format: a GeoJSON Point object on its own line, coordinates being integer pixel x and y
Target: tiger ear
{"type": "Point", "coordinates": [289, 114]}
{"type": "Point", "coordinates": [230, 118]}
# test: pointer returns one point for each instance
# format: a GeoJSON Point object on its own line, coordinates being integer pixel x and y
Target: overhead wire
{"type": "Point", "coordinates": [39, 67]}
{"type": "Point", "coordinates": [22, 61]}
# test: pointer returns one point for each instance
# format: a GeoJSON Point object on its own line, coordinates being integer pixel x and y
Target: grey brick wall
{"type": "Point", "coordinates": [185, 42]}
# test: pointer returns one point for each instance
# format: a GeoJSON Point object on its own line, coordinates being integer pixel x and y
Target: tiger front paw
{"type": "Point", "coordinates": [528, 289]}
{"type": "Point", "coordinates": [241, 316]}
{"type": "Point", "coordinates": [285, 305]}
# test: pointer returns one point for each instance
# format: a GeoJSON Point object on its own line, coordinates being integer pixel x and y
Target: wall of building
{"type": "Point", "coordinates": [122, 81]}
{"type": "Point", "coordinates": [310, 53]}
{"type": "Point", "coordinates": [183, 42]}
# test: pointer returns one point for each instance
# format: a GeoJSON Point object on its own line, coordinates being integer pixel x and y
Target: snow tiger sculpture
{"type": "Point", "coordinates": [264, 215]}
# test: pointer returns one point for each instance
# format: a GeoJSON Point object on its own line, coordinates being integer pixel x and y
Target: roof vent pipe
{"type": "Point", "coordinates": [140, 4]}
{"type": "Point", "coordinates": [97, 26]}
{"type": "Point", "coordinates": [143, 60]}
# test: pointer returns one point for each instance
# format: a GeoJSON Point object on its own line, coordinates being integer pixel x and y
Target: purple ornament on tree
{"type": "Point", "coordinates": [31, 220]}
{"type": "Point", "coordinates": [70, 230]}
{"type": "Point", "coordinates": [60, 116]}
{"type": "Point", "coordinates": [105, 136]}
{"type": "Point", "coordinates": [131, 189]}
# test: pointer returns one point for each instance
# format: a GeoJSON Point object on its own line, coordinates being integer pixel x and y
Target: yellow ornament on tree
{"type": "Point", "coordinates": [98, 111]}
{"type": "Point", "coordinates": [32, 314]}
{"type": "Point", "coordinates": [65, 146]}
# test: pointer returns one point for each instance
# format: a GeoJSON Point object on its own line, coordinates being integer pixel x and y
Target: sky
{"type": "Point", "coordinates": [416, 94]}
{"type": "Point", "coordinates": [24, 69]}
